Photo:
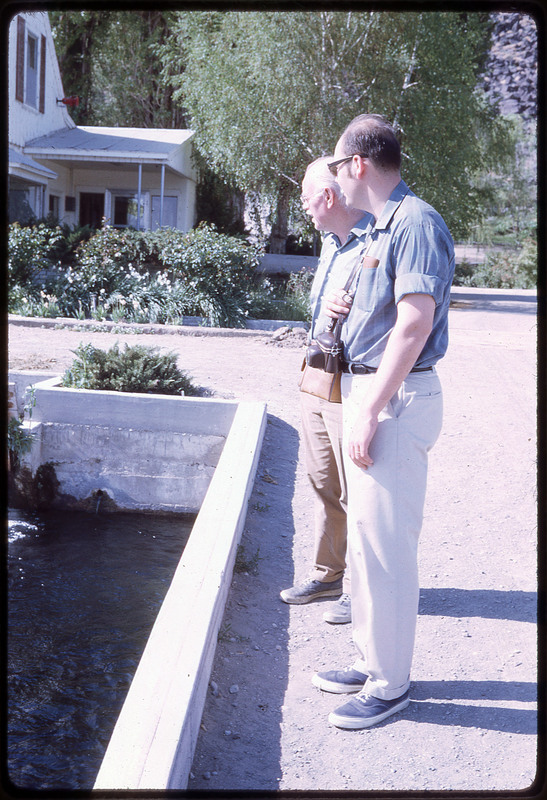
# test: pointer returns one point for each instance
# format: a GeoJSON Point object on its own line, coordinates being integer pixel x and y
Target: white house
{"type": "Point", "coordinates": [139, 177]}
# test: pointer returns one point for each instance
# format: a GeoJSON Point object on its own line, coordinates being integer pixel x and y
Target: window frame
{"type": "Point", "coordinates": [24, 35]}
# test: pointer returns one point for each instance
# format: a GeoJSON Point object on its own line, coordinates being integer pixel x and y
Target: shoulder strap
{"type": "Point", "coordinates": [335, 325]}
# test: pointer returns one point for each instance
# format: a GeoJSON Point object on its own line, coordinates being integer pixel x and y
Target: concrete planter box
{"type": "Point", "coordinates": [121, 451]}
{"type": "Point", "coordinates": [154, 739]}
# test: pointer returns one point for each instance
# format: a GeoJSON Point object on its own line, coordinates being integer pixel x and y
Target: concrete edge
{"type": "Point", "coordinates": [197, 415]}
{"type": "Point", "coordinates": [255, 327]}
{"type": "Point", "coordinates": [153, 742]}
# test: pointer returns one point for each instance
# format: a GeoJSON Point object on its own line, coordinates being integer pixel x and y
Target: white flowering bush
{"type": "Point", "coordinates": [30, 250]}
{"type": "Point", "coordinates": [144, 277]}
{"type": "Point", "coordinates": [219, 271]}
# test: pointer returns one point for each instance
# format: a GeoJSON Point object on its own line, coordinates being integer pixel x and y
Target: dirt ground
{"type": "Point", "coordinates": [471, 724]}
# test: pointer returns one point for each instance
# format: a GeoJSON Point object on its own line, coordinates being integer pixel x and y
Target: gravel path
{"type": "Point", "coordinates": [472, 723]}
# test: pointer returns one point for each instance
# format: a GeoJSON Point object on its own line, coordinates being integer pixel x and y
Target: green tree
{"type": "Point", "coordinates": [128, 88]}
{"type": "Point", "coordinates": [76, 35]}
{"type": "Point", "coordinates": [269, 91]}
{"type": "Point", "coordinates": [109, 59]}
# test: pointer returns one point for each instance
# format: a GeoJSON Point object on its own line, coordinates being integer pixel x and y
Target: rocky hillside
{"type": "Point", "coordinates": [510, 77]}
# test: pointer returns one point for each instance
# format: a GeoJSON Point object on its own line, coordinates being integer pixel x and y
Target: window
{"type": "Point", "coordinates": [31, 72]}
{"type": "Point", "coordinates": [169, 212]}
{"type": "Point", "coordinates": [54, 206]}
{"type": "Point", "coordinates": [30, 79]}
{"type": "Point", "coordinates": [125, 211]}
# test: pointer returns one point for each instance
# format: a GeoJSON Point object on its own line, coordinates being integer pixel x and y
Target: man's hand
{"type": "Point", "coordinates": [337, 303]}
{"type": "Point", "coordinates": [360, 439]}
{"type": "Point", "coordinates": [414, 323]}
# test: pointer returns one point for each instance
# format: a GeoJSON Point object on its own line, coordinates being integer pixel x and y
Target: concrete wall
{"type": "Point", "coordinates": [153, 742]}
{"type": "Point", "coordinates": [154, 739]}
{"type": "Point", "coordinates": [130, 452]}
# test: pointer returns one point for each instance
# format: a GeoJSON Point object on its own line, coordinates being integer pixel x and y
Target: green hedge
{"type": "Point", "coordinates": [132, 276]}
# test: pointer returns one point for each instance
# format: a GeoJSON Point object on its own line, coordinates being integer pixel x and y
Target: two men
{"type": "Point", "coordinates": [392, 413]}
{"type": "Point", "coordinates": [322, 199]}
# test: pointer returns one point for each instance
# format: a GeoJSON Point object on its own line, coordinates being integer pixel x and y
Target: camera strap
{"type": "Point", "coordinates": [335, 326]}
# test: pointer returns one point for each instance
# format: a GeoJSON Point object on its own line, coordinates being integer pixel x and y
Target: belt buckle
{"type": "Point", "coordinates": [357, 369]}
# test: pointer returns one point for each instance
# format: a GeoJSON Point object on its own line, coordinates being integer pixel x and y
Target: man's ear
{"type": "Point", "coordinates": [359, 166]}
{"type": "Point", "coordinates": [330, 196]}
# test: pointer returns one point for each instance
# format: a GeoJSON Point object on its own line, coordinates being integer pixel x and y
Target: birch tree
{"type": "Point", "coordinates": [267, 92]}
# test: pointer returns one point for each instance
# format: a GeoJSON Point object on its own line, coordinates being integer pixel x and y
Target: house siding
{"type": "Point", "coordinates": [26, 122]}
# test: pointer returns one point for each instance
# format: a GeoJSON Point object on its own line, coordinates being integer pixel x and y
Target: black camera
{"type": "Point", "coordinates": [325, 352]}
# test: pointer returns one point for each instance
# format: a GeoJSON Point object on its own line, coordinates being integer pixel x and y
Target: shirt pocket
{"type": "Point", "coordinates": [367, 288]}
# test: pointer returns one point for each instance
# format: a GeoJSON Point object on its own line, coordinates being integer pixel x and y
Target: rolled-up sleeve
{"type": "Point", "coordinates": [424, 262]}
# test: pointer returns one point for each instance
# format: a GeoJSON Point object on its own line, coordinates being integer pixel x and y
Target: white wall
{"type": "Point", "coordinates": [26, 122]}
{"type": "Point", "coordinates": [72, 181]}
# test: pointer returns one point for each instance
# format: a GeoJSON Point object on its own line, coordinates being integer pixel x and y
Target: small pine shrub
{"type": "Point", "coordinates": [134, 369]}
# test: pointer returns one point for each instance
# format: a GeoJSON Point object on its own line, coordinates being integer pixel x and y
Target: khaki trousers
{"type": "Point", "coordinates": [322, 440]}
{"type": "Point", "coordinates": [385, 512]}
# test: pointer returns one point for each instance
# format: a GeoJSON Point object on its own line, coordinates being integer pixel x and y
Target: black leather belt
{"type": "Point", "coordinates": [362, 369]}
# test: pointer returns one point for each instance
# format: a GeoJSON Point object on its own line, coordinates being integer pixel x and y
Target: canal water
{"type": "Point", "coordinates": [83, 593]}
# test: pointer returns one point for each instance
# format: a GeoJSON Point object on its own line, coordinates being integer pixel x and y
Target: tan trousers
{"type": "Point", "coordinates": [322, 440]}
{"type": "Point", "coordinates": [385, 512]}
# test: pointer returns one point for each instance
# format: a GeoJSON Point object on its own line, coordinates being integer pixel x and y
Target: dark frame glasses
{"type": "Point", "coordinates": [333, 165]}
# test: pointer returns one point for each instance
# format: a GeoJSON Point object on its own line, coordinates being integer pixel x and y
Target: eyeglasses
{"type": "Point", "coordinates": [333, 166]}
{"type": "Point", "coordinates": [305, 200]}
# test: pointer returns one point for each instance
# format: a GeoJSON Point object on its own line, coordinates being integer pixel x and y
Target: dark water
{"type": "Point", "coordinates": [83, 594]}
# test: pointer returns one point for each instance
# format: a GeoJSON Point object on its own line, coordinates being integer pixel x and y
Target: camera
{"type": "Point", "coordinates": [325, 352]}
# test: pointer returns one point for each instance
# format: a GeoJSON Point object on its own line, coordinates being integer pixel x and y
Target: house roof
{"type": "Point", "coordinates": [22, 165]}
{"type": "Point", "coordinates": [119, 145]}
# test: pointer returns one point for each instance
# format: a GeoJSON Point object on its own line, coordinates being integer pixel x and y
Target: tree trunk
{"type": "Point", "coordinates": [280, 227]}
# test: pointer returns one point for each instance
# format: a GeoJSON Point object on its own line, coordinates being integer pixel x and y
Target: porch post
{"type": "Point", "coordinates": [139, 199]}
{"type": "Point", "coordinates": [161, 193]}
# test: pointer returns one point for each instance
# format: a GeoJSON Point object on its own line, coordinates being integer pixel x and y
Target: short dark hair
{"type": "Point", "coordinates": [372, 135]}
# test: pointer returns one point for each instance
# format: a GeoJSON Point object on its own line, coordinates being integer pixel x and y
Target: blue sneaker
{"type": "Point", "coordinates": [309, 590]}
{"type": "Point", "coordinates": [340, 612]}
{"type": "Point", "coordinates": [340, 681]}
{"type": "Point", "coordinates": [363, 711]}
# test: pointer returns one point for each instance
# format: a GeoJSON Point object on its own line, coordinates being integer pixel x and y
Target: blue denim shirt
{"type": "Point", "coordinates": [334, 268]}
{"type": "Point", "coordinates": [415, 254]}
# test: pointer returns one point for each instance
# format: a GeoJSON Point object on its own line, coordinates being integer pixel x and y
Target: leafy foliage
{"type": "Point", "coordinates": [134, 369]}
{"type": "Point", "coordinates": [266, 92]}
{"type": "Point", "coordinates": [508, 194]}
{"type": "Point", "coordinates": [151, 276]}
{"type": "Point", "coordinates": [20, 438]}
{"type": "Point", "coordinates": [286, 76]}
{"type": "Point", "coordinates": [108, 58]}
{"type": "Point", "coordinates": [30, 250]}
{"type": "Point", "coordinates": [502, 270]}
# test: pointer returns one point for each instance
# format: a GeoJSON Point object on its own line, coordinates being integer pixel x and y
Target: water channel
{"type": "Point", "coordinates": [83, 593]}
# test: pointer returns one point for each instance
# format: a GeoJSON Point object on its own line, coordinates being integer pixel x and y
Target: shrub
{"type": "Point", "coordinates": [528, 263]}
{"type": "Point", "coordinates": [65, 250]}
{"type": "Point", "coordinates": [285, 298]}
{"type": "Point", "coordinates": [30, 250]}
{"type": "Point", "coordinates": [135, 369]}
{"type": "Point", "coordinates": [19, 438]}
{"type": "Point", "coordinates": [502, 270]}
{"type": "Point", "coordinates": [219, 270]}
{"type": "Point", "coordinates": [159, 276]}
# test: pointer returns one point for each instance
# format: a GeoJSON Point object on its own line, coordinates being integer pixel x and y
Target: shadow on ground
{"type": "Point", "coordinates": [472, 714]}
{"type": "Point", "coordinates": [239, 742]}
{"type": "Point", "coordinates": [487, 603]}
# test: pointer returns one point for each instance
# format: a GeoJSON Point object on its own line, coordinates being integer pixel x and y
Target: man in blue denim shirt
{"type": "Point", "coordinates": [392, 413]}
{"type": "Point", "coordinates": [323, 201]}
